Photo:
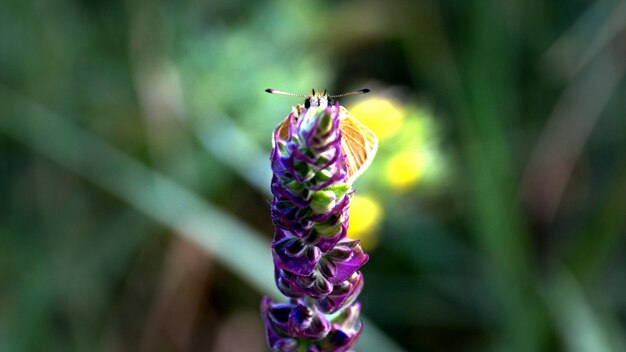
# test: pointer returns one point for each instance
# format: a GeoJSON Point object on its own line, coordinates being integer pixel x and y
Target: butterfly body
{"type": "Point", "coordinates": [358, 144]}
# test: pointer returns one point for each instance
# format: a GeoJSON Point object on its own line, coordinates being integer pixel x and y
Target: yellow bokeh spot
{"type": "Point", "coordinates": [383, 116]}
{"type": "Point", "coordinates": [404, 169]}
{"type": "Point", "coordinates": [365, 216]}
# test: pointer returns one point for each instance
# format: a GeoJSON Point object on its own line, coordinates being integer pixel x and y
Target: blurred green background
{"type": "Point", "coordinates": [134, 171]}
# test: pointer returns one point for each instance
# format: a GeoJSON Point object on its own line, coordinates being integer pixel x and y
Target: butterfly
{"type": "Point", "coordinates": [358, 143]}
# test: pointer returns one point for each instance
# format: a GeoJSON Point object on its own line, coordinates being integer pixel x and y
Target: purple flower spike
{"type": "Point", "coordinates": [315, 263]}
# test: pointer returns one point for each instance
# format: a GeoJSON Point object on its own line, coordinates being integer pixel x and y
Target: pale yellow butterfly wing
{"type": "Point", "coordinates": [283, 129]}
{"type": "Point", "coordinates": [358, 143]}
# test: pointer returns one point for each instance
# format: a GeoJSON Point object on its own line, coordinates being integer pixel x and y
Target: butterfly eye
{"type": "Point", "coordinates": [307, 103]}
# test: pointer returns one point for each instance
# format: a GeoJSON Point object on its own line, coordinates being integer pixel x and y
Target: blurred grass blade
{"type": "Point", "coordinates": [578, 324]}
{"type": "Point", "coordinates": [591, 32]}
{"type": "Point", "coordinates": [569, 127]}
{"type": "Point", "coordinates": [486, 125]}
{"type": "Point", "coordinates": [237, 246]}
{"type": "Point", "coordinates": [226, 141]}
{"type": "Point", "coordinates": [600, 238]}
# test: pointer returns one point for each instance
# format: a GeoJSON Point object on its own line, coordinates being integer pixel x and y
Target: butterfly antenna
{"type": "Point", "coordinates": [275, 91]}
{"type": "Point", "coordinates": [360, 91]}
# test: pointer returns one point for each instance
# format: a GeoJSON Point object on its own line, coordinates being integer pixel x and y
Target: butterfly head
{"type": "Point", "coordinates": [317, 99]}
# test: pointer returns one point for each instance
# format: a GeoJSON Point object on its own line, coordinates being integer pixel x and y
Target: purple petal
{"type": "Point", "coordinates": [286, 345]}
{"type": "Point", "coordinates": [302, 263]}
{"type": "Point", "coordinates": [344, 269]}
{"type": "Point", "coordinates": [278, 341]}
{"type": "Point", "coordinates": [308, 324]}
{"type": "Point", "coordinates": [342, 294]}
{"type": "Point", "coordinates": [345, 331]}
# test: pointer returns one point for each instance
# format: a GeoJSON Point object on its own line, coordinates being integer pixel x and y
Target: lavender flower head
{"type": "Point", "coordinates": [316, 265]}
